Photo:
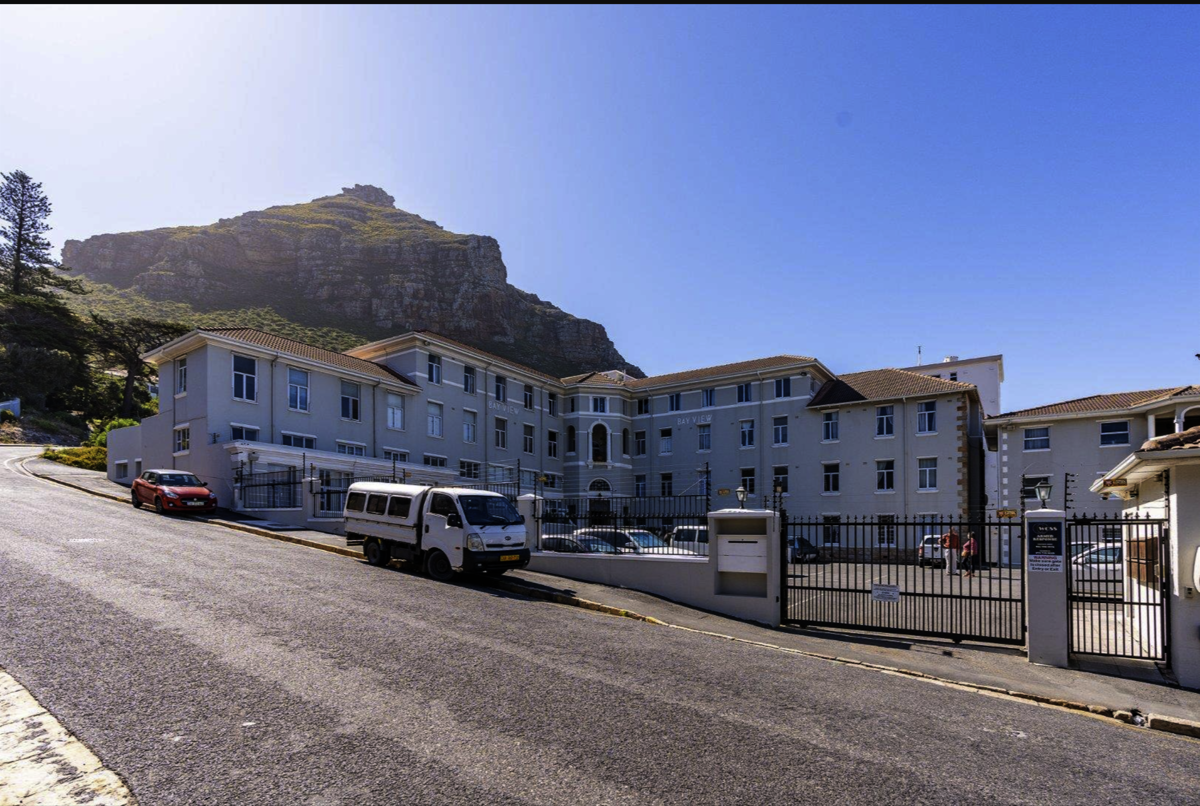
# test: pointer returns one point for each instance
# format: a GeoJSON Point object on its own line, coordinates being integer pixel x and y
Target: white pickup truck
{"type": "Point", "coordinates": [441, 530]}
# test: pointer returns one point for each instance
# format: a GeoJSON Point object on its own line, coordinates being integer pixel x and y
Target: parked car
{"type": "Point", "coordinates": [800, 550]}
{"type": "Point", "coordinates": [1080, 548]}
{"type": "Point", "coordinates": [1099, 571]}
{"type": "Point", "coordinates": [929, 552]}
{"type": "Point", "coordinates": [689, 538]}
{"type": "Point", "coordinates": [634, 541]}
{"type": "Point", "coordinates": [569, 544]}
{"type": "Point", "coordinates": [172, 491]}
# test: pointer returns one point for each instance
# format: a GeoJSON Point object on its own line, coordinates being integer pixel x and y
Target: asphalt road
{"type": "Point", "coordinates": [210, 666]}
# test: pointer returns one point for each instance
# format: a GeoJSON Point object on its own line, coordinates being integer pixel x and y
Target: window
{"type": "Point", "coordinates": [783, 387]}
{"type": "Point", "coordinates": [552, 481]}
{"type": "Point", "coordinates": [183, 440]}
{"type": "Point", "coordinates": [883, 421]}
{"type": "Point", "coordinates": [350, 449]}
{"type": "Point", "coordinates": [706, 398]}
{"type": "Point", "coordinates": [639, 443]}
{"type": "Point", "coordinates": [394, 456]}
{"type": "Point", "coordinates": [297, 389]}
{"type": "Point", "coordinates": [639, 486]}
{"type": "Point", "coordinates": [954, 376]}
{"type": "Point", "coordinates": [469, 380]}
{"type": "Point", "coordinates": [779, 428]}
{"type": "Point", "coordinates": [829, 427]}
{"type": "Point", "coordinates": [434, 419]}
{"type": "Point", "coordinates": [527, 439]}
{"type": "Point", "coordinates": [355, 501]}
{"type": "Point", "coordinates": [745, 393]}
{"type": "Point", "coordinates": [1114, 433]}
{"type": "Point", "coordinates": [572, 404]}
{"type": "Point", "coordinates": [674, 402]}
{"type": "Point", "coordinates": [245, 372]}
{"type": "Point", "coordinates": [748, 480]}
{"type": "Point", "coordinates": [376, 504]}
{"type": "Point", "coordinates": [350, 401]}
{"type": "Point", "coordinates": [399, 506]}
{"type": "Point", "coordinates": [624, 441]}
{"type": "Point", "coordinates": [664, 441]}
{"type": "Point", "coordinates": [570, 439]}
{"type": "Point", "coordinates": [927, 417]}
{"type": "Point", "coordinates": [704, 436]}
{"type": "Point", "coordinates": [552, 404]}
{"type": "Point", "coordinates": [599, 405]}
{"type": "Point", "coordinates": [1028, 483]}
{"type": "Point", "coordinates": [181, 376]}
{"type": "Point", "coordinates": [395, 411]}
{"type": "Point", "coordinates": [298, 441]}
{"type": "Point", "coordinates": [927, 474]}
{"type": "Point", "coordinates": [886, 534]}
{"type": "Point", "coordinates": [831, 472]}
{"type": "Point", "coordinates": [885, 475]}
{"type": "Point", "coordinates": [501, 389]}
{"type": "Point", "coordinates": [552, 444]}
{"type": "Point", "coordinates": [643, 405]}
{"type": "Point", "coordinates": [747, 429]}
{"type": "Point", "coordinates": [779, 479]}
{"type": "Point", "coordinates": [468, 469]}
{"type": "Point", "coordinates": [666, 485]}
{"type": "Point", "coordinates": [435, 369]}
{"type": "Point", "coordinates": [470, 421]}
{"type": "Point", "coordinates": [527, 397]}
{"type": "Point", "coordinates": [122, 470]}
{"type": "Point", "coordinates": [1037, 439]}
{"type": "Point", "coordinates": [434, 461]}
{"type": "Point", "coordinates": [244, 432]}
{"type": "Point", "coordinates": [831, 529]}
{"type": "Point", "coordinates": [599, 443]}
{"type": "Point", "coordinates": [501, 433]}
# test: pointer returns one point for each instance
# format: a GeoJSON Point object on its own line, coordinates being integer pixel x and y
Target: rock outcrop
{"type": "Point", "coordinates": [355, 262]}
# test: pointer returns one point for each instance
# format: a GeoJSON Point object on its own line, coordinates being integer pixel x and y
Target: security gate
{"type": "Point", "coordinates": [1117, 595]}
{"type": "Point", "coordinates": [887, 575]}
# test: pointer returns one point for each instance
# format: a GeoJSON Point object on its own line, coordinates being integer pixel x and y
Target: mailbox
{"type": "Point", "coordinates": [744, 543]}
{"type": "Point", "coordinates": [742, 553]}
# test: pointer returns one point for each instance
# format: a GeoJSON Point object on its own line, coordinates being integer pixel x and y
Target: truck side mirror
{"type": "Point", "coordinates": [454, 521]}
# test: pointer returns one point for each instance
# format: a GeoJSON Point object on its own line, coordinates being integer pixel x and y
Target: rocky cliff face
{"type": "Point", "coordinates": [355, 262]}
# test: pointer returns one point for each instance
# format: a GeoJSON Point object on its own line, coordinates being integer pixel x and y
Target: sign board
{"type": "Point", "coordinates": [1006, 513]}
{"type": "Point", "coordinates": [723, 491]}
{"type": "Point", "coordinates": [885, 593]}
{"type": "Point", "coordinates": [1116, 482]}
{"type": "Point", "coordinates": [1046, 546]}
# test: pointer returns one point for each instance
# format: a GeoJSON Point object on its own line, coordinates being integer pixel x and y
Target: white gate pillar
{"type": "Point", "coordinates": [1047, 563]}
{"type": "Point", "coordinates": [527, 506]}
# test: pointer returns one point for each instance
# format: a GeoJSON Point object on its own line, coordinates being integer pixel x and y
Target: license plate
{"type": "Point", "coordinates": [195, 503]}
{"type": "Point", "coordinates": [508, 557]}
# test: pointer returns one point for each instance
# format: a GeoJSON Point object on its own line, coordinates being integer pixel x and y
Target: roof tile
{"type": "Point", "coordinates": [883, 384]}
{"type": "Point", "coordinates": [1095, 403]}
{"type": "Point", "coordinates": [301, 350]}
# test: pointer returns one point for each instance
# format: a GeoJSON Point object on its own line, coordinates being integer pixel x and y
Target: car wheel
{"type": "Point", "coordinates": [158, 506]}
{"type": "Point", "coordinates": [437, 565]}
{"type": "Point", "coordinates": [133, 499]}
{"type": "Point", "coordinates": [376, 552]}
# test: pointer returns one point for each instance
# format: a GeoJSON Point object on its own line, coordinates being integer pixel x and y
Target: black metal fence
{"type": "Point", "coordinates": [274, 489]}
{"type": "Point", "coordinates": [1117, 577]}
{"type": "Point", "coordinates": [659, 525]}
{"type": "Point", "coordinates": [953, 577]}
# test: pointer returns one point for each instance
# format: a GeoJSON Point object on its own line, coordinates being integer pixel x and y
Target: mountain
{"type": "Point", "coordinates": [342, 268]}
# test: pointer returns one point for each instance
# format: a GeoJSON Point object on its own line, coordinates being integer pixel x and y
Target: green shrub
{"type": "Point", "coordinates": [91, 457]}
{"type": "Point", "coordinates": [49, 425]}
{"type": "Point", "coordinates": [99, 437]}
{"type": "Point", "coordinates": [6, 416]}
{"type": "Point", "coordinates": [73, 420]}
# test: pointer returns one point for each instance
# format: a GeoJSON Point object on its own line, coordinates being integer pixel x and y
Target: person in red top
{"type": "Point", "coordinates": [950, 544]}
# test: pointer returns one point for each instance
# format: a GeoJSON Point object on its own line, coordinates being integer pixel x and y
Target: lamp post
{"type": "Point", "coordinates": [741, 496]}
{"type": "Point", "coordinates": [1043, 488]}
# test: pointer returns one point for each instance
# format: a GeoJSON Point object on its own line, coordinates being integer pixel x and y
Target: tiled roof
{"type": "Point", "coordinates": [301, 350]}
{"type": "Point", "coordinates": [1175, 442]}
{"type": "Point", "coordinates": [883, 384]}
{"type": "Point", "coordinates": [476, 350]}
{"type": "Point", "coordinates": [594, 377]}
{"type": "Point", "coordinates": [1094, 403]}
{"type": "Point", "coordinates": [753, 365]}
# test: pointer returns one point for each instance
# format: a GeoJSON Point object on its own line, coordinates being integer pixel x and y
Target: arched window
{"type": "Point", "coordinates": [599, 486]}
{"type": "Point", "coordinates": [599, 443]}
{"type": "Point", "coordinates": [625, 442]}
{"type": "Point", "coordinates": [570, 439]}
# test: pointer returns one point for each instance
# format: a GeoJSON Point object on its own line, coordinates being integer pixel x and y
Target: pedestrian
{"type": "Point", "coordinates": [950, 545]}
{"type": "Point", "coordinates": [970, 556]}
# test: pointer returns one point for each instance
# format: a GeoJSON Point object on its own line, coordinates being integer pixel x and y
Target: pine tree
{"type": "Point", "coordinates": [26, 266]}
{"type": "Point", "coordinates": [121, 344]}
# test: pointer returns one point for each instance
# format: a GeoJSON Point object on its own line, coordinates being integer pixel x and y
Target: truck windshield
{"type": "Point", "coordinates": [489, 510]}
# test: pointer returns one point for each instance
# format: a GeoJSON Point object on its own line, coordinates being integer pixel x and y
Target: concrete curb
{"type": "Point", "coordinates": [1165, 724]}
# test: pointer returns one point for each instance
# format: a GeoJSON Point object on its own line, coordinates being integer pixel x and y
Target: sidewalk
{"type": "Point", "coordinates": [997, 669]}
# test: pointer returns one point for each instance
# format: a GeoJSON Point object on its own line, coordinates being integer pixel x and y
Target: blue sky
{"type": "Point", "coordinates": [711, 184]}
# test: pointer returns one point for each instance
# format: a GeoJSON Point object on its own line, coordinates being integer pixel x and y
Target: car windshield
{"type": "Point", "coordinates": [178, 480]}
{"type": "Point", "coordinates": [646, 540]}
{"type": "Point", "coordinates": [693, 535]}
{"type": "Point", "coordinates": [489, 510]}
{"type": "Point", "coordinates": [595, 544]}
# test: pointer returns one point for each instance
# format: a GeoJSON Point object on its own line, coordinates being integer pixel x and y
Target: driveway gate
{"type": "Point", "coordinates": [888, 575]}
{"type": "Point", "coordinates": [1117, 587]}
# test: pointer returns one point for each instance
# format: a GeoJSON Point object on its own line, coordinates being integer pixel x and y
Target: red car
{"type": "Point", "coordinates": [172, 491]}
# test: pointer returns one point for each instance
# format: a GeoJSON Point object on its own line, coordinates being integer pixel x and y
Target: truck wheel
{"type": "Point", "coordinates": [437, 565]}
{"type": "Point", "coordinates": [377, 552]}
{"type": "Point", "coordinates": [133, 499]}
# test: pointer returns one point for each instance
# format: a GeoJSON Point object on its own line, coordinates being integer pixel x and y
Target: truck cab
{"type": "Point", "coordinates": [441, 530]}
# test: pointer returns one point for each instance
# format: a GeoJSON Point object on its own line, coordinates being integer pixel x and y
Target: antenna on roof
{"type": "Point", "coordinates": [918, 355]}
